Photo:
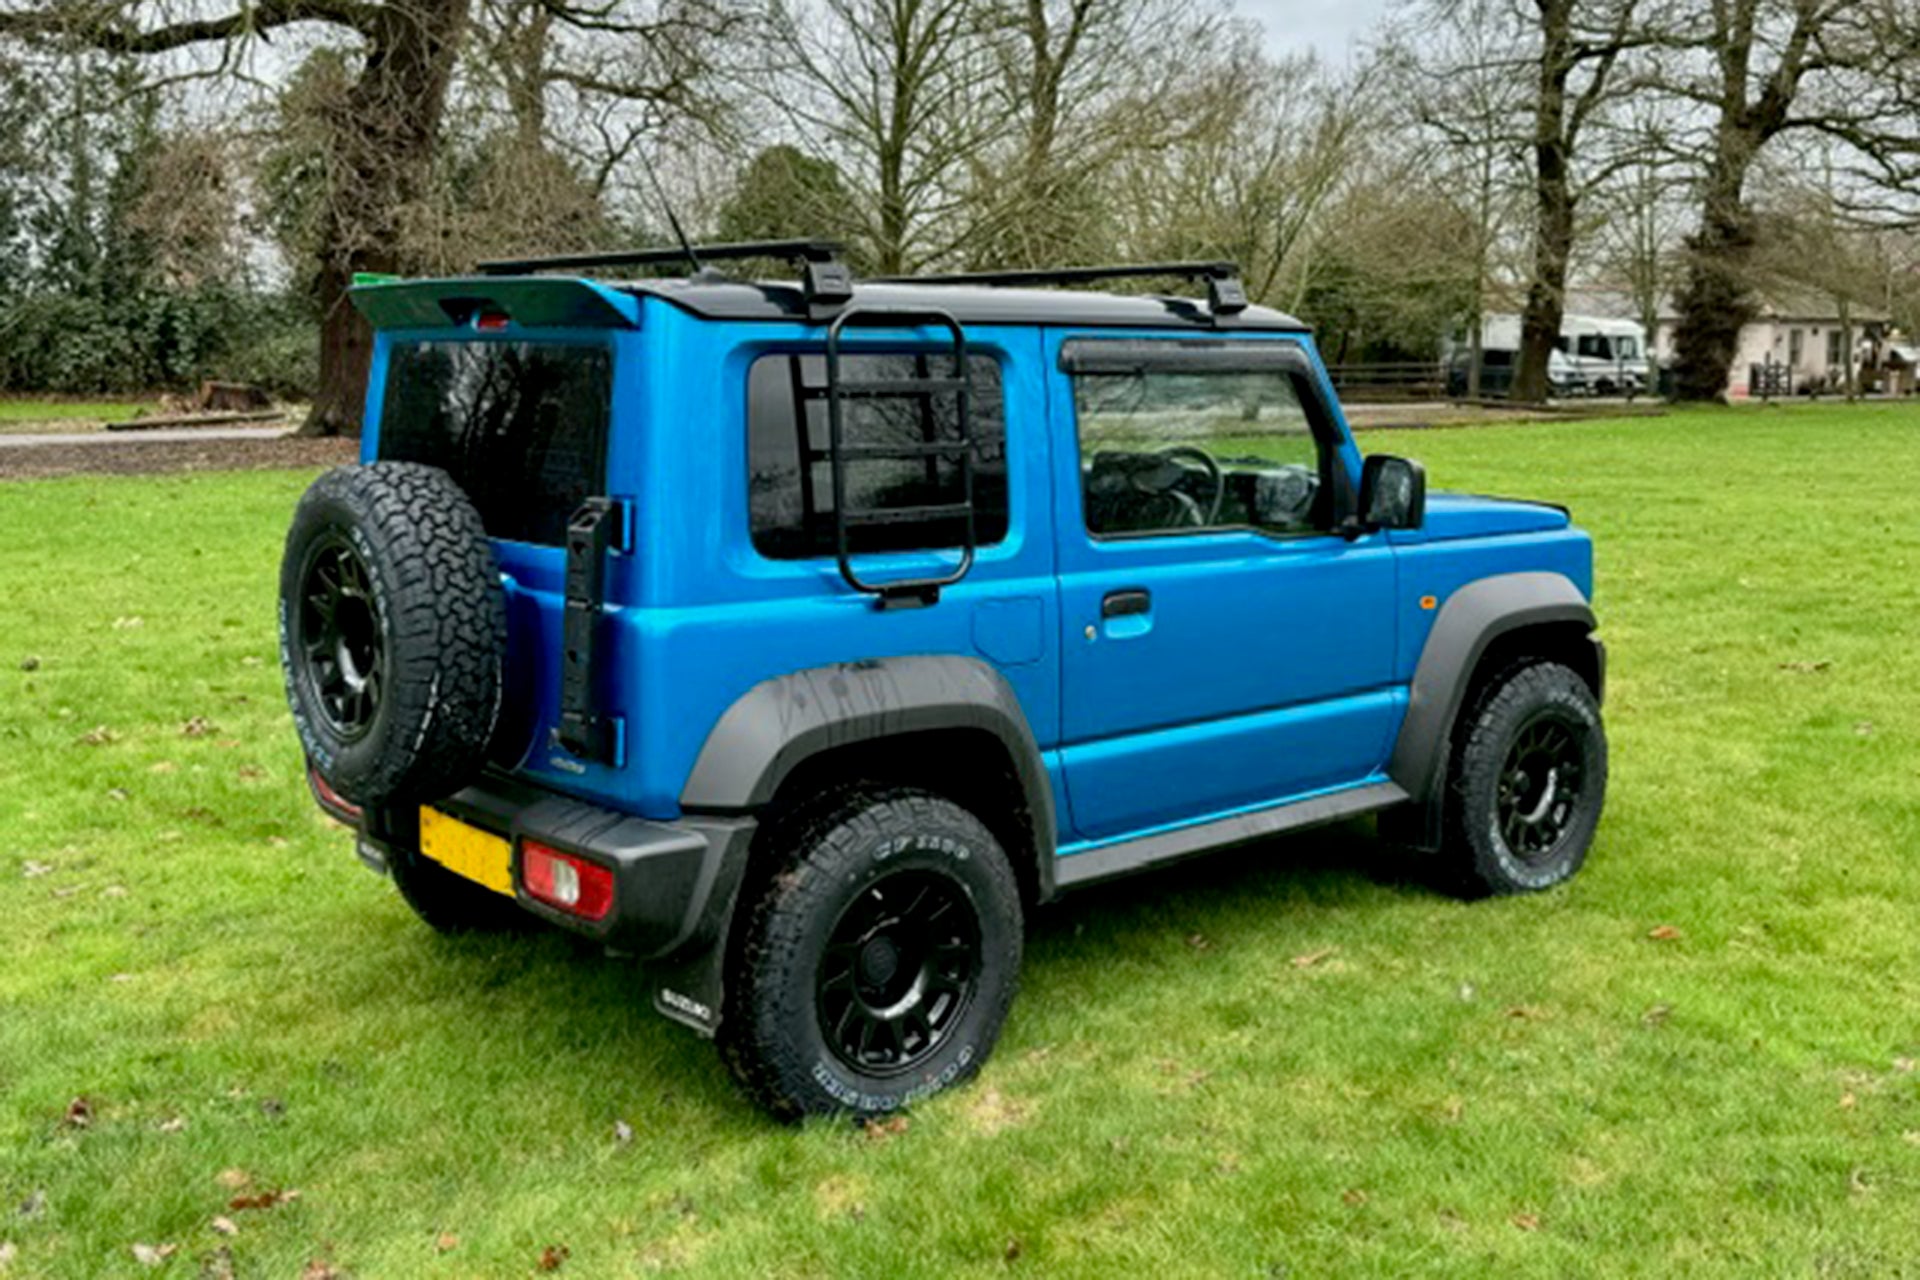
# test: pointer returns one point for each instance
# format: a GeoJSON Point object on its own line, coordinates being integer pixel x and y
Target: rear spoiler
{"type": "Point", "coordinates": [543, 302]}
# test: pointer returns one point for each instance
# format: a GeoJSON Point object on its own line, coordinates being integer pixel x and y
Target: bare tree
{"type": "Point", "coordinates": [1563, 56]}
{"type": "Point", "coordinates": [1762, 69]}
{"type": "Point", "coordinates": [1580, 44]}
{"type": "Point", "coordinates": [548, 119]}
{"type": "Point", "coordinates": [894, 93]}
{"type": "Point", "coordinates": [1641, 219]}
{"type": "Point", "coordinates": [1462, 86]}
{"type": "Point", "coordinates": [382, 144]}
{"type": "Point", "coordinates": [1266, 149]}
{"type": "Point", "coordinates": [379, 128]}
{"type": "Point", "coordinates": [1082, 84]}
{"type": "Point", "coordinates": [1808, 241]}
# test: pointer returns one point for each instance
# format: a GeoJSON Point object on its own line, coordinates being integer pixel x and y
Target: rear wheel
{"type": "Point", "coordinates": [1528, 783]}
{"type": "Point", "coordinates": [876, 965]}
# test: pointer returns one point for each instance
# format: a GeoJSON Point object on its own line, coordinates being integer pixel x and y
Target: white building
{"type": "Point", "coordinates": [1797, 334]}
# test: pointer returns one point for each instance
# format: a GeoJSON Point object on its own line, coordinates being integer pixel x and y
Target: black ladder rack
{"type": "Point", "coordinates": [900, 592]}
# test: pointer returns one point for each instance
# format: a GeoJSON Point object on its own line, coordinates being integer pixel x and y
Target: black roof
{"type": "Point", "coordinates": [969, 304]}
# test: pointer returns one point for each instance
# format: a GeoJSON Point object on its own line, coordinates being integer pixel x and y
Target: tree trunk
{"type": "Point", "coordinates": [1547, 294]}
{"type": "Point", "coordinates": [1482, 247]}
{"type": "Point", "coordinates": [1846, 349]}
{"type": "Point", "coordinates": [1476, 352]}
{"type": "Point", "coordinates": [1553, 206]}
{"type": "Point", "coordinates": [1713, 304]}
{"type": "Point", "coordinates": [346, 349]}
{"type": "Point", "coordinates": [382, 160]}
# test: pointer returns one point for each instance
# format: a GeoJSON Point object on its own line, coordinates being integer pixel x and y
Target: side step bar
{"type": "Point", "coordinates": [1076, 869]}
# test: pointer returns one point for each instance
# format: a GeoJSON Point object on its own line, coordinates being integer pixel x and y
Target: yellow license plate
{"type": "Point", "coordinates": [465, 850]}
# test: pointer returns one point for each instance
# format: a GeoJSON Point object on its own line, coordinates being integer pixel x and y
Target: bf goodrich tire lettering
{"type": "Point", "coordinates": [399, 547]}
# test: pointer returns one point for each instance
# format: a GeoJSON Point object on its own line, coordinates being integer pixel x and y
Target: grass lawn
{"type": "Point", "coordinates": [66, 415]}
{"type": "Point", "coordinates": [1696, 1059]}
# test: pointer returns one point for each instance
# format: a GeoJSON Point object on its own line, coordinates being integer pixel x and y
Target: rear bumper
{"type": "Point", "coordinates": [674, 882]}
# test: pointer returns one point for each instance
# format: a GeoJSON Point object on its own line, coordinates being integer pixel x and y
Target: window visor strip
{"type": "Point", "coordinates": [1122, 356]}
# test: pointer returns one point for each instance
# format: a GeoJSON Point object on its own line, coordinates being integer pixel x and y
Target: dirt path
{"type": "Point", "coordinates": [39, 457]}
{"type": "Point", "coordinates": [1445, 413]}
{"type": "Point", "coordinates": [170, 435]}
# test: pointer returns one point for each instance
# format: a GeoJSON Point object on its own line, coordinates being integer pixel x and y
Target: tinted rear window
{"type": "Point", "coordinates": [521, 426]}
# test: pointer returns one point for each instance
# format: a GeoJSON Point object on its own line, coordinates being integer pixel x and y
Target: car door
{"type": "Point", "coordinates": [1223, 647]}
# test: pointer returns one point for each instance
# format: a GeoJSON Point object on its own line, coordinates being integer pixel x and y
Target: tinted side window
{"type": "Point", "coordinates": [1166, 451]}
{"type": "Point", "coordinates": [790, 481]}
{"type": "Point", "coordinates": [521, 426]}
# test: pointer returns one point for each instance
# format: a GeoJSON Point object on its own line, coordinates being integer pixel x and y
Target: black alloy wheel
{"type": "Point", "coordinates": [1526, 784]}
{"type": "Point", "coordinates": [877, 951]}
{"type": "Point", "coordinates": [393, 633]}
{"type": "Point", "coordinates": [1540, 784]}
{"type": "Point", "coordinates": [340, 638]}
{"type": "Point", "coordinates": [899, 971]}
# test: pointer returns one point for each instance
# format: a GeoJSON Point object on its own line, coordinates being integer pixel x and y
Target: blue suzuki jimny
{"type": "Point", "coordinates": [803, 637]}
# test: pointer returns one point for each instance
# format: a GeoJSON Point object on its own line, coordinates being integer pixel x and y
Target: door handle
{"type": "Point", "coordinates": [1124, 604]}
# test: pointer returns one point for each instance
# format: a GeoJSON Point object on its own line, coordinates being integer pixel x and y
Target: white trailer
{"type": "Point", "coordinates": [1594, 355]}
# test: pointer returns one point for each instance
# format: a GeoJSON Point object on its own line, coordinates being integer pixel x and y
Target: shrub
{"type": "Point", "coordinates": [152, 339]}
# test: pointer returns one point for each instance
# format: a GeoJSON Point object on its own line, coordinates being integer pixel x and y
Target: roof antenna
{"type": "Point", "coordinates": [673, 221]}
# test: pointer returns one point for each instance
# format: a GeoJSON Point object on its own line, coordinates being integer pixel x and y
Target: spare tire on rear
{"type": "Point", "coordinates": [393, 632]}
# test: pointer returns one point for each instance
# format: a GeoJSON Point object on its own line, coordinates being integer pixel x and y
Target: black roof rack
{"type": "Point", "coordinates": [1225, 293]}
{"type": "Point", "coordinates": [1074, 275]}
{"type": "Point", "coordinates": [827, 279]}
{"type": "Point", "coordinates": [791, 250]}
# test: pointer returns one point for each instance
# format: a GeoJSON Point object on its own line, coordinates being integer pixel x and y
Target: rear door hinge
{"type": "Point", "coordinates": [586, 730]}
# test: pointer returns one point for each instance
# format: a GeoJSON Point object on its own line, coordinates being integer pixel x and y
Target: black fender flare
{"type": "Point", "coordinates": [780, 723]}
{"type": "Point", "coordinates": [1473, 617]}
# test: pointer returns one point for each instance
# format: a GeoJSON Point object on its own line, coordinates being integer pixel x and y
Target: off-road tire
{"type": "Point", "coordinates": [1486, 843]}
{"type": "Point", "coordinates": [450, 903]}
{"type": "Point", "coordinates": [831, 857]}
{"type": "Point", "coordinates": [439, 619]}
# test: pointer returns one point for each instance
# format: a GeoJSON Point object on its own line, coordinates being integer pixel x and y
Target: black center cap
{"type": "Point", "coordinates": [879, 961]}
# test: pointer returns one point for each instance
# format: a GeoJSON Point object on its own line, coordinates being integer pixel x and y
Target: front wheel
{"type": "Point", "coordinates": [877, 963]}
{"type": "Point", "coordinates": [1528, 783]}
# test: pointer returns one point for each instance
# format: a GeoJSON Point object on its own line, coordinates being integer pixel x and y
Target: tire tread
{"type": "Point", "coordinates": [1470, 865]}
{"type": "Point", "coordinates": [815, 845]}
{"type": "Point", "coordinates": [445, 621]}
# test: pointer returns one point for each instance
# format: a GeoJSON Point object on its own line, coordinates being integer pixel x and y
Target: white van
{"type": "Point", "coordinates": [1500, 354]}
{"type": "Point", "coordinates": [1611, 355]}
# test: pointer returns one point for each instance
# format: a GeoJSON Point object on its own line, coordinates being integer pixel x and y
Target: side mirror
{"type": "Point", "coordinates": [1393, 493]}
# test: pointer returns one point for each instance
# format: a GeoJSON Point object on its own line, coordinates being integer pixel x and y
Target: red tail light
{"type": "Point", "coordinates": [569, 884]}
{"type": "Point", "coordinates": [330, 800]}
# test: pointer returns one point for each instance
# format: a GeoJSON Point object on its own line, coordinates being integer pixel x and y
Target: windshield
{"type": "Point", "coordinates": [521, 426]}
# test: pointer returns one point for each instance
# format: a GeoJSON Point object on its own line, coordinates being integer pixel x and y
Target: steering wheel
{"type": "Point", "coordinates": [1212, 468]}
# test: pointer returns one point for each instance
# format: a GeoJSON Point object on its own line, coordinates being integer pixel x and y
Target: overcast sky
{"type": "Point", "coordinates": [1329, 26]}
